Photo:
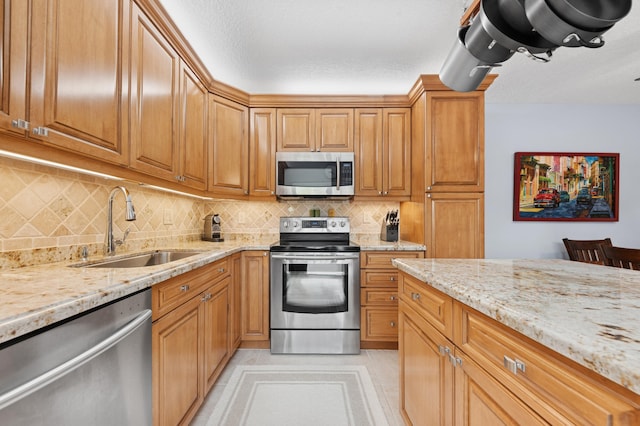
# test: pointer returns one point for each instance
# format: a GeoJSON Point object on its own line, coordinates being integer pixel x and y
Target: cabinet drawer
{"type": "Point", "coordinates": [172, 293]}
{"type": "Point", "coordinates": [382, 259]}
{"type": "Point", "coordinates": [379, 324]}
{"type": "Point", "coordinates": [379, 296]}
{"type": "Point", "coordinates": [370, 278]}
{"type": "Point", "coordinates": [435, 306]}
{"type": "Point", "coordinates": [557, 388]}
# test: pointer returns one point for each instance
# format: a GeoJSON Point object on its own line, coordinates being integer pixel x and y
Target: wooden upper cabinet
{"type": "Point", "coordinates": [454, 142]}
{"type": "Point", "coordinates": [383, 148]}
{"type": "Point", "coordinates": [296, 130]}
{"type": "Point", "coordinates": [193, 150]}
{"type": "Point", "coordinates": [154, 100]}
{"type": "Point", "coordinates": [321, 129]}
{"type": "Point", "coordinates": [79, 62]}
{"type": "Point", "coordinates": [262, 152]}
{"type": "Point", "coordinates": [14, 27]}
{"type": "Point", "coordinates": [228, 172]}
{"type": "Point", "coordinates": [334, 129]}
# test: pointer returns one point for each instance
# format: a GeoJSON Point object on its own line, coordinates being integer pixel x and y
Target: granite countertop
{"type": "Point", "coordinates": [588, 313]}
{"type": "Point", "coordinates": [370, 242]}
{"type": "Point", "coordinates": [33, 297]}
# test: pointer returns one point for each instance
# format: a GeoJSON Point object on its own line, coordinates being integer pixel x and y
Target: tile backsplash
{"type": "Point", "coordinates": [48, 214]}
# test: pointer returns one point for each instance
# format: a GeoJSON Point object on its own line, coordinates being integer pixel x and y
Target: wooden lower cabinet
{"type": "Point", "coordinates": [235, 314]}
{"type": "Point", "coordinates": [255, 299]}
{"type": "Point", "coordinates": [379, 298]}
{"type": "Point", "coordinates": [190, 342]}
{"type": "Point", "coordinates": [452, 371]}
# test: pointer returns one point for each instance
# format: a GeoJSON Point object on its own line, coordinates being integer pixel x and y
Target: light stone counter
{"type": "Point", "coordinates": [588, 313]}
{"type": "Point", "coordinates": [33, 297]}
{"type": "Point", "coordinates": [369, 242]}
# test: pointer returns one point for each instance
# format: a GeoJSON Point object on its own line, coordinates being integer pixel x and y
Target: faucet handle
{"type": "Point", "coordinates": [124, 237]}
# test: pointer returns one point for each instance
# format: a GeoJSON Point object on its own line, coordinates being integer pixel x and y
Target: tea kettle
{"type": "Point", "coordinates": [212, 230]}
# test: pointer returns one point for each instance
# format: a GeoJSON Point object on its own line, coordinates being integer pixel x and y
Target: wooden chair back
{"type": "Point", "coordinates": [588, 251]}
{"type": "Point", "coordinates": [622, 257]}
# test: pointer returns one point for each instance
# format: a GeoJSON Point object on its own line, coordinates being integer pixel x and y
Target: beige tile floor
{"type": "Point", "coordinates": [381, 364]}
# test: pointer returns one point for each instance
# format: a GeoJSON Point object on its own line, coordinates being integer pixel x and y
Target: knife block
{"type": "Point", "coordinates": [389, 232]}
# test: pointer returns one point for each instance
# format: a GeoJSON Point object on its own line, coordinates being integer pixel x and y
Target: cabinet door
{"type": "Point", "coordinates": [14, 27]}
{"type": "Point", "coordinates": [154, 100]}
{"type": "Point", "coordinates": [177, 364]}
{"type": "Point", "coordinates": [262, 152]}
{"type": "Point", "coordinates": [193, 130]}
{"type": "Point", "coordinates": [334, 129]}
{"type": "Point", "coordinates": [455, 142]}
{"type": "Point", "coordinates": [379, 324]}
{"type": "Point", "coordinates": [79, 84]}
{"type": "Point", "coordinates": [481, 400]}
{"type": "Point", "coordinates": [454, 225]}
{"type": "Point", "coordinates": [216, 331]}
{"type": "Point", "coordinates": [396, 124]}
{"type": "Point", "coordinates": [296, 130]}
{"type": "Point", "coordinates": [228, 174]}
{"type": "Point", "coordinates": [235, 295]}
{"type": "Point", "coordinates": [255, 295]}
{"type": "Point", "coordinates": [368, 152]}
{"type": "Point", "coordinates": [426, 376]}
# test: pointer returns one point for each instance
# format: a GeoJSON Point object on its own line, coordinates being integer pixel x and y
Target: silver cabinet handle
{"type": "Point", "coordinates": [393, 297]}
{"type": "Point", "coordinates": [415, 296]}
{"type": "Point", "coordinates": [392, 278]}
{"type": "Point", "coordinates": [392, 324]}
{"type": "Point", "coordinates": [514, 365]}
{"type": "Point", "coordinates": [206, 297]}
{"type": "Point", "coordinates": [20, 124]}
{"type": "Point", "coordinates": [184, 288]}
{"type": "Point", "coordinates": [26, 389]}
{"type": "Point", "coordinates": [443, 350]}
{"type": "Point", "coordinates": [221, 270]}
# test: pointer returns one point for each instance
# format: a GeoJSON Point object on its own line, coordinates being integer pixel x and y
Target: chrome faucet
{"type": "Point", "coordinates": [109, 242]}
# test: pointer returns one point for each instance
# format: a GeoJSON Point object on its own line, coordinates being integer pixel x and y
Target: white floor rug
{"type": "Point", "coordinates": [273, 395]}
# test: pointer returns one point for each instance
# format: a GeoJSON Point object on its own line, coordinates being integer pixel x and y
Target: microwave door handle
{"type": "Point", "coordinates": [338, 173]}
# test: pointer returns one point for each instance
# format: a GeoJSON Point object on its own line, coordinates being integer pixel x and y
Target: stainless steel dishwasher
{"type": "Point", "coordinates": [93, 369]}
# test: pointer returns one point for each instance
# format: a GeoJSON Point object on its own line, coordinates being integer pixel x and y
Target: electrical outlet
{"type": "Point", "coordinates": [167, 217]}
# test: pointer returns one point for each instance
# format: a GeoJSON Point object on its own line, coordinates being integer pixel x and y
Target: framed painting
{"type": "Point", "coordinates": [566, 186]}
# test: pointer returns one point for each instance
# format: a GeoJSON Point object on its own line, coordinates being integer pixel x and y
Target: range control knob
{"type": "Point", "coordinates": [333, 224]}
{"type": "Point", "coordinates": [343, 224]}
{"type": "Point", "coordinates": [285, 224]}
{"type": "Point", "coordinates": [295, 224]}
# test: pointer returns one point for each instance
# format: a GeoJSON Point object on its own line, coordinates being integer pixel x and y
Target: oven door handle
{"type": "Point", "coordinates": [316, 256]}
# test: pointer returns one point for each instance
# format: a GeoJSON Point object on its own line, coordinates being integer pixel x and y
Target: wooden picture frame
{"type": "Point", "coordinates": [566, 186]}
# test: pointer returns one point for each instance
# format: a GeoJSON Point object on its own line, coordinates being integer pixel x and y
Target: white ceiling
{"type": "Point", "coordinates": [382, 46]}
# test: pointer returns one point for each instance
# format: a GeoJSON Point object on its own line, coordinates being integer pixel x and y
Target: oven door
{"type": "Point", "coordinates": [315, 290]}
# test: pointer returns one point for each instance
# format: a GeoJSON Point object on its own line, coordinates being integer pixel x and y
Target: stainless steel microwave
{"type": "Point", "coordinates": [315, 174]}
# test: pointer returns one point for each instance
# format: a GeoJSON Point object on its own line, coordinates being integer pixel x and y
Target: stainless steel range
{"type": "Point", "coordinates": [315, 288]}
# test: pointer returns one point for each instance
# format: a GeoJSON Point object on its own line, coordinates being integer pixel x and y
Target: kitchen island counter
{"type": "Point", "coordinates": [587, 313]}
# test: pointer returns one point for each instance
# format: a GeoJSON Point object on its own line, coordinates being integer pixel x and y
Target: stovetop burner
{"type": "Point", "coordinates": [329, 234]}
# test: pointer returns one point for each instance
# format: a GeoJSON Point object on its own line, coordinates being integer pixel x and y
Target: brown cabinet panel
{"type": "Point", "coordinates": [14, 50]}
{"type": "Point", "coordinates": [379, 324]}
{"type": "Point", "coordinates": [262, 152]}
{"type": "Point", "coordinates": [426, 376]}
{"type": "Point", "coordinates": [154, 100]}
{"type": "Point", "coordinates": [383, 152]}
{"type": "Point", "coordinates": [229, 171]}
{"type": "Point", "coordinates": [296, 129]}
{"type": "Point", "coordinates": [216, 331]}
{"type": "Point", "coordinates": [396, 124]}
{"type": "Point", "coordinates": [79, 82]}
{"type": "Point", "coordinates": [382, 259]}
{"type": "Point", "coordinates": [235, 315]}
{"type": "Point", "coordinates": [177, 341]}
{"type": "Point", "coordinates": [379, 278]}
{"type": "Point", "coordinates": [455, 142]}
{"type": "Point", "coordinates": [334, 129]}
{"type": "Point", "coordinates": [255, 295]}
{"type": "Point", "coordinates": [454, 225]}
{"type": "Point", "coordinates": [192, 170]}
{"type": "Point", "coordinates": [369, 152]}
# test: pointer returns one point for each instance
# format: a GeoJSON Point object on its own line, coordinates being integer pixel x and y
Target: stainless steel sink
{"type": "Point", "coordinates": [157, 257]}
